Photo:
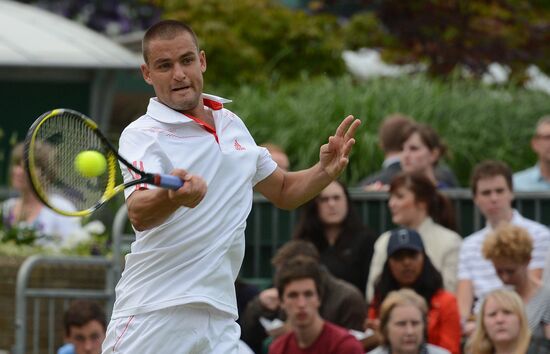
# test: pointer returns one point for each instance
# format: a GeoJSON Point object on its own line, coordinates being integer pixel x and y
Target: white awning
{"type": "Point", "coordinates": [33, 37]}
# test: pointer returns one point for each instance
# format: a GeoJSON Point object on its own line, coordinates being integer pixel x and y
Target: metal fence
{"type": "Point", "coordinates": [268, 228]}
{"type": "Point", "coordinates": [39, 309]}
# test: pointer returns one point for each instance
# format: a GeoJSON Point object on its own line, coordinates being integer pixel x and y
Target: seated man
{"type": "Point", "coordinates": [492, 193]}
{"type": "Point", "coordinates": [537, 178]}
{"type": "Point", "coordinates": [391, 135]}
{"type": "Point", "coordinates": [299, 287]}
{"type": "Point", "coordinates": [85, 326]}
{"type": "Point", "coordinates": [342, 303]}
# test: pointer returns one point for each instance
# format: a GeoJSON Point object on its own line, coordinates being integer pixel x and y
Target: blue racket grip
{"type": "Point", "coordinates": [168, 181]}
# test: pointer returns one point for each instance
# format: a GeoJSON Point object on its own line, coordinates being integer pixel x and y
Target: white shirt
{"type": "Point", "coordinates": [196, 254]}
{"type": "Point", "coordinates": [480, 271]}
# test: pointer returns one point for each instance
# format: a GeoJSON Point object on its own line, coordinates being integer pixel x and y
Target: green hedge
{"type": "Point", "coordinates": [477, 121]}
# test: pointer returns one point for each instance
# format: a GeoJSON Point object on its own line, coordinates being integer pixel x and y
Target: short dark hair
{"type": "Point", "coordinates": [490, 169]}
{"type": "Point", "coordinates": [298, 268]}
{"type": "Point", "coordinates": [430, 138]}
{"type": "Point", "coordinates": [80, 312]}
{"type": "Point", "coordinates": [166, 29]}
{"type": "Point", "coordinates": [294, 248]}
{"type": "Point", "coordinates": [393, 131]}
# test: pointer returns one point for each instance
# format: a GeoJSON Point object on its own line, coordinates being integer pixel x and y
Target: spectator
{"type": "Point", "coordinates": [278, 155]}
{"type": "Point", "coordinates": [408, 266]}
{"type": "Point", "coordinates": [492, 193]}
{"type": "Point", "coordinates": [422, 150]}
{"type": "Point", "coordinates": [299, 287]}
{"type": "Point", "coordinates": [537, 178]}
{"type": "Point", "coordinates": [501, 325]}
{"type": "Point", "coordinates": [27, 213]}
{"type": "Point", "coordinates": [331, 223]}
{"type": "Point", "coordinates": [416, 204]}
{"type": "Point", "coordinates": [342, 303]}
{"type": "Point", "coordinates": [403, 325]}
{"type": "Point", "coordinates": [85, 326]}
{"type": "Point", "coordinates": [391, 135]}
{"type": "Point", "coordinates": [509, 248]}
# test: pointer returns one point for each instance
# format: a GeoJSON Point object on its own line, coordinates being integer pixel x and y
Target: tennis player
{"type": "Point", "coordinates": [176, 294]}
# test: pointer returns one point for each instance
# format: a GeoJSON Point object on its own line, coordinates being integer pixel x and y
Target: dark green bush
{"type": "Point", "coordinates": [257, 40]}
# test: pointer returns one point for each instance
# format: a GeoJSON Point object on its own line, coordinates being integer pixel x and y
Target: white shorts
{"type": "Point", "coordinates": [186, 329]}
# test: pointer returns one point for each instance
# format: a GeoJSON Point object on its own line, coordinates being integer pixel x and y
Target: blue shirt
{"type": "Point", "coordinates": [530, 180]}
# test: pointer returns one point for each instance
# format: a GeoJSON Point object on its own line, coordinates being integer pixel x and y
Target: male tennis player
{"type": "Point", "coordinates": [176, 294]}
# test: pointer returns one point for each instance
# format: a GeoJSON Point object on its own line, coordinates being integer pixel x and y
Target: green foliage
{"type": "Point", "coordinates": [476, 121]}
{"type": "Point", "coordinates": [258, 40]}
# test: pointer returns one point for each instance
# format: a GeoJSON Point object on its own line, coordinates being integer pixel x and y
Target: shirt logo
{"type": "Point", "coordinates": [238, 146]}
{"type": "Point", "coordinates": [135, 175]}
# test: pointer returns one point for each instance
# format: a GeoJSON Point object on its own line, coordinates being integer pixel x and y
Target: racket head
{"type": "Point", "coordinates": [51, 146]}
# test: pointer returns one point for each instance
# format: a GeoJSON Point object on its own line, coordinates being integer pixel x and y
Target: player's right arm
{"type": "Point", "coordinates": [151, 207]}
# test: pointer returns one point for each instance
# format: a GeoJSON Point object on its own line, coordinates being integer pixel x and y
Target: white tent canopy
{"type": "Point", "coordinates": [38, 45]}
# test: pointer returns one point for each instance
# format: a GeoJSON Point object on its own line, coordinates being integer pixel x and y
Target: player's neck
{"type": "Point", "coordinates": [306, 336]}
{"type": "Point", "coordinates": [201, 113]}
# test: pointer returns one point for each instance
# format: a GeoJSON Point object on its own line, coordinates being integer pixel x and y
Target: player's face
{"type": "Point", "coordinates": [502, 324]}
{"type": "Point", "coordinates": [301, 302]}
{"type": "Point", "coordinates": [332, 205]}
{"type": "Point", "coordinates": [406, 266]}
{"type": "Point", "coordinates": [511, 273]}
{"type": "Point", "coordinates": [87, 339]}
{"type": "Point", "coordinates": [405, 210]}
{"type": "Point", "coordinates": [416, 156]}
{"type": "Point", "coordinates": [405, 329]}
{"type": "Point", "coordinates": [494, 198]}
{"type": "Point", "coordinates": [174, 69]}
{"type": "Point", "coordinates": [541, 142]}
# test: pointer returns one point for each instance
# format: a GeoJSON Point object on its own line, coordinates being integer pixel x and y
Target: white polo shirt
{"type": "Point", "coordinates": [195, 256]}
{"type": "Point", "coordinates": [480, 271]}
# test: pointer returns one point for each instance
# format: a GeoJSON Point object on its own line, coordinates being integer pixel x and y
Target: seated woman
{"type": "Point", "coordinates": [26, 213]}
{"type": "Point", "coordinates": [501, 325]}
{"type": "Point", "coordinates": [403, 325]}
{"type": "Point", "coordinates": [408, 266]}
{"type": "Point", "coordinates": [416, 204]}
{"type": "Point", "coordinates": [421, 153]}
{"type": "Point", "coordinates": [331, 223]}
{"type": "Point", "coordinates": [509, 248]}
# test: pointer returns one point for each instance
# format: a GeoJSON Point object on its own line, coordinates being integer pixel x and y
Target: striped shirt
{"type": "Point", "coordinates": [480, 271]}
{"type": "Point", "coordinates": [538, 312]}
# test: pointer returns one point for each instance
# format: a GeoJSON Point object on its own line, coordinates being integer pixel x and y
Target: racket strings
{"type": "Point", "coordinates": [58, 141]}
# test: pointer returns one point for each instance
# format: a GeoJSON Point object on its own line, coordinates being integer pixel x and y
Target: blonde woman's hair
{"type": "Point", "coordinates": [508, 242]}
{"type": "Point", "coordinates": [396, 298]}
{"type": "Point", "coordinates": [480, 343]}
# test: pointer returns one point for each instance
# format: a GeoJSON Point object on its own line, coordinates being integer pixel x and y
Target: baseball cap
{"type": "Point", "coordinates": [404, 239]}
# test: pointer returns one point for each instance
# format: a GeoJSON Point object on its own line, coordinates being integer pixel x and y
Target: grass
{"type": "Point", "coordinates": [477, 122]}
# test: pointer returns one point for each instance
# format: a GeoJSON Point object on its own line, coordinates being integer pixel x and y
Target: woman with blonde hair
{"type": "Point", "coordinates": [403, 323]}
{"type": "Point", "coordinates": [501, 325]}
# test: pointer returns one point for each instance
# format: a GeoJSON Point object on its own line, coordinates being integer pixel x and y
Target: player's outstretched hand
{"type": "Point", "coordinates": [191, 193]}
{"type": "Point", "coordinates": [334, 155]}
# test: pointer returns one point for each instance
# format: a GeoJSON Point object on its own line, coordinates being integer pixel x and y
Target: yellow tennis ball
{"type": "Point", "coordinates": [90, 163]}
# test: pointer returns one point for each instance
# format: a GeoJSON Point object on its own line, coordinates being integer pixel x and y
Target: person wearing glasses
{"type": "Point", "coordinates": [537, 178]}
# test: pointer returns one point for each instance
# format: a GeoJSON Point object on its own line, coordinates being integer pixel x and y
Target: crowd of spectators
{"type": "Point", "coordinates": [419, 288]}
{"type": "Point", "coordinates": [428, 289]}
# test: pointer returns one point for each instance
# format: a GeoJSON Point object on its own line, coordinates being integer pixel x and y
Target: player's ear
{"type": "Point", "coordinates": [146, 74]}
{"type": "Point", "coordinates": [202, 60]}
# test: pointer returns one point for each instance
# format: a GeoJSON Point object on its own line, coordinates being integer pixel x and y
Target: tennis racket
{"type": "Point", "coordinates": [51, 146]}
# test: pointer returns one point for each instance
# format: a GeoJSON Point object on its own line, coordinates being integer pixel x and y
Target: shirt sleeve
{"type": "Point", "coordinates": [141, 150]}
{"type": "Point", "coordinates": [464, 271]}
{"type": "Point", "coordinates": [541, 244]}
{"type": "Point", "coordinates": [265, 166]}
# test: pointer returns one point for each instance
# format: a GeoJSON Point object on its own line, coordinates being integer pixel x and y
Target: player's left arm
{"type": "Point", "coordinates": [288, 190]}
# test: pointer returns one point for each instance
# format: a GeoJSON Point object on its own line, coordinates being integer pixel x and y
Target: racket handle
{"type": "Point", "coordinates": [168, 181]}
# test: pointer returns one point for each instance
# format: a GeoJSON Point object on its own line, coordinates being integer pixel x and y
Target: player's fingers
{"type": "Point", "coordinates": [347, 147]}
{"type": "Point", "coordinates": [350, 133]}
{"type": "Point", "coordinates": [343, 127]}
